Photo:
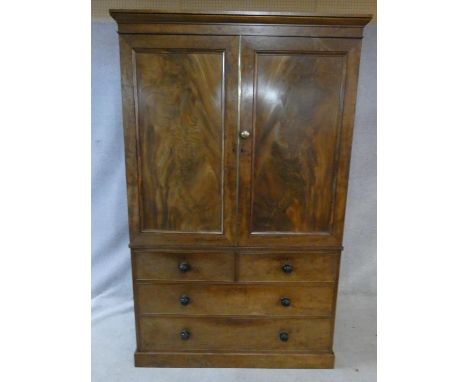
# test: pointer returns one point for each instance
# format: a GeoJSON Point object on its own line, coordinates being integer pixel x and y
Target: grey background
{"type": "Point", "coordinates": [113, 340]}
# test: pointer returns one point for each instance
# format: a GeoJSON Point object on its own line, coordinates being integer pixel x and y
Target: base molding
{"type": "Point", "coordinates": [234, 360]}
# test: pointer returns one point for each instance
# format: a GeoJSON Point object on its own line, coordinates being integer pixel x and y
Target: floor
{"type": "Point", "coordinates": [113, 344]}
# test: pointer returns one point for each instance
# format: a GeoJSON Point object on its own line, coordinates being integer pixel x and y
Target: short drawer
{"type": "Point", "coordinates": [235, 299]}
{"type": "Point", "coordinates": [288, 267]}
{"type": "Point", "coordinates": [183, 266]}
{"type": "Point", "coordinates": [234, 334]}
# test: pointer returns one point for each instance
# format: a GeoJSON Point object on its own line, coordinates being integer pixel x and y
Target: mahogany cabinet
{"type": "Point", "coordinates": [238, 130]}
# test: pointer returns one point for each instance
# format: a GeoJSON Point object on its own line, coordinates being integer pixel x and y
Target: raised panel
{"type": "Point", "coordinates": [180, 114]}
{"type": "Point", "coordinates": [296, 125]}
{"type": "Point", "coordinates": [297, 102]}
{"type": "Point", "coordinates": [180, 127]}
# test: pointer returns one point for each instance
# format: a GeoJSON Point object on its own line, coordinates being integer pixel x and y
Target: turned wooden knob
{"type": "Point", "coordinates": [184, 335]}
{"type": "Point", "coordinates": [285, 301]}
{"type": "Point", "coordinates": [287, 268]}
{"type": "Point", "coordinates": [184, 267]}
{"type": "Point", "coordinates": [284, 336]}
{"type": "Point", "coordinates": [184, 300]}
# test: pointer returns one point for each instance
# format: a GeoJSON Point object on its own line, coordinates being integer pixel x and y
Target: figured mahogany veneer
{"type": "Point", "coordinates": [216, 266]}
{"type": "Point", "coordinates": [235, 299]}
{"type": "Point", "coordinates": [235, 334]}
{"type": "Point", "coordinates": [320, 267]}
{"type": "Point", "coordinates": [238, 130]}
{"type": "Point", "coordinates": [181, 144]}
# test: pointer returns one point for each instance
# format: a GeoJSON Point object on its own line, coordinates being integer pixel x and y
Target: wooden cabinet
{"type": "Point", "coordinates": [238, 130]}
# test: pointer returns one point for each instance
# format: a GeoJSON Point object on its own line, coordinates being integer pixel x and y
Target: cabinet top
{"type": "Point", "coordinates": [135, 16]}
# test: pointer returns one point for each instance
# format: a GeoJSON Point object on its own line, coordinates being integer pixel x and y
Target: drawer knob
{"type": "Point", "coordinates": [184, 300]}
{"type": "Point", "coordinates": [184, 267]}
{"type": "Point", "coordinates": [284, 336]}
{"type": "Point", "coordinates": [285, 301]}
{"type": "Point", "coordinates": [287, 268]}
{"type": "Point", "coordinates": [184, 335]}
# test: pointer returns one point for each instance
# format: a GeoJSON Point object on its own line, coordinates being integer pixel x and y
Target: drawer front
{"type": "Point", "coordinates": [219, 299]}
{"type": "Point", "coordinates": [234, 334]}
{"type": "Point", "coordinates": [184, 266]}
{"type": "Point", "coordinates": [287, 267]}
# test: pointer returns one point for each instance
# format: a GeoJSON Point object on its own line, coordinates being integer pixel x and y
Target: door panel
{"type": "Point", "coordinates": [180, 123]}
{"type": "Point", "coordinates": [184, 91]}
{"type": "Point", "coordinates": [293, 166]}
{"type": "Point", "coordinates": [297, 109]}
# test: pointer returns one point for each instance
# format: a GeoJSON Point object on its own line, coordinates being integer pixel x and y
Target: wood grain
{"type": "Point", "coordinates": [180, 120]}
{"type": "Point", "coordinates": [297, 120]}
{"type": "Point", "coordinates": [143, 16]}
{"type": "Point", "coordinates": [237, 210]}
{"type": "Point", "coordinates": [241, 29]}
{"type": "Point", "coordinates": [297, 98]}
{"type": "Point", "coordinates": [295, 360]}
{"type": "Point", "coordinates": [315, 267]}
{"type": "Point", "coordinates": [235, 299]}
{"type": "Point", "coordinates": [180, 105]}
{"type": "Point", "coordinates": [239, 334]}
{"type": "Point", "coordinates": [203, 266]}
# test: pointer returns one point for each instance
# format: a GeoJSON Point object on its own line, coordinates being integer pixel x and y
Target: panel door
{"type": "Point", "coordinates": [180, 108]}
{"type": "Point", "coordinates": [297, 112]}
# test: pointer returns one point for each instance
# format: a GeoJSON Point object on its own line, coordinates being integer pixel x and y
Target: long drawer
{"type": "Point", "coordinates": [236, 299]}
{"type": "Point", "coordinates": [184, 266]}
{"type": "Point", "coordinates": [234, 334]}
{"type": "Point", "coordinates": [288, 267]}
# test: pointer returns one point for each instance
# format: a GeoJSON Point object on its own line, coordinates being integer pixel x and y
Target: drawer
{"type": "Point", "coordinates": [183, 266]}
{"type": "Point", "coordinates": [234, 334]}
{"type": "Point", "coordinates": [289, 267]}
{"type": "Point", "coordinates": [226, 299]}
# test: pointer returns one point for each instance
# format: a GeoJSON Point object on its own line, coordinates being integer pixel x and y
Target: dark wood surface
{"type": "Point", "coordinates": [318, 267]}
{"type": "Point", "coordinates": [346, 18]}
{"type": "Point", "coordinates": [180, 113]}
{"type": "Point", "coordinates": [236, 299]}
{"type": "Point", "coordinates": [235, 334]}
{"type": "Point", "coordinates": [215, 266]}
{"type": "Point", "coordinates": [280, 360]}
{"type": "Point", "coordinates": [240, 23]}
{"type": "Point", "coordinates": [141, 16]}
{"type": "Point", "coordinates": [296, 123]}
{"type": "Point", "coordinates": [235, 211]}
{"type": "Point", "coordinates": [297, 101]}
{"type": "Point", "coordinates": [180, 126]}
